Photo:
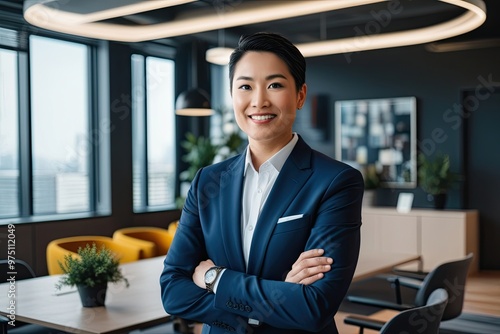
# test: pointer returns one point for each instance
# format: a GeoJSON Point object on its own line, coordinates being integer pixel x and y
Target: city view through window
{"type": "Point", "coordinates": [60, 114]}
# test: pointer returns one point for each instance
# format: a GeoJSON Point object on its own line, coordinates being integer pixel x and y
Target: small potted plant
{"type": "Point", "coordinates": [435, 178]}
{"type": "Point", "coordinates": [90, 272]}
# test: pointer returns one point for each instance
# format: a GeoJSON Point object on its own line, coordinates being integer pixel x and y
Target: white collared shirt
{"type": "Point", "coordinates": [256, 188]}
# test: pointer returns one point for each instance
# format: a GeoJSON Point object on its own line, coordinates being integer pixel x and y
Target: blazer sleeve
{"type": "Point", "coordinates": [180, 295]}
{"type": "Point", "coordinates": [279, 304]}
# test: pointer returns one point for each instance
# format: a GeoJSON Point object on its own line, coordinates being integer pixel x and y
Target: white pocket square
{"type": "Point", "coordinates": [288, 218]}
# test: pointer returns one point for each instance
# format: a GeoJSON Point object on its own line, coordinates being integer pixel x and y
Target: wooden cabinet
{"type": "Point", "coordinates": [436, 235]}
{"type": "Point", "coordinates": [389, 233]}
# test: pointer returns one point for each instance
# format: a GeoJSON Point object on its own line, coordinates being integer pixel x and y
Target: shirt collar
{"type": "Point", "coordinates": [278, 159]}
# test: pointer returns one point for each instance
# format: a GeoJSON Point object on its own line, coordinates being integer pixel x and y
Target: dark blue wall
{"type": "Point", "coordinates": [438, 80]}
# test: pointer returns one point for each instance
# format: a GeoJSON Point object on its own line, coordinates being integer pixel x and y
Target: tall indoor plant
{"type": "Point", "coordinates": [201, 152]}
{"type": "Point", "coordinates": [90, 272]}
{"type": "Point", "coordinates": [436, 178]}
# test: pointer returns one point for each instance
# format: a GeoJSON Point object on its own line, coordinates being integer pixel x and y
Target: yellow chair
{"type": "Point", "coordinates": [172, 227]}
{"type": "Point", "coordinates": [57, 249]}
{"type": "Point", "coordinates": [153, 241]}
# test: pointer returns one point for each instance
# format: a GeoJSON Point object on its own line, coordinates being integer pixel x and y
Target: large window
{"type": "Point", "coordinates": [47, 158]}
{"type": "Point", "coordinates": [9, 135]}
{"type": "Point", "coordinates": [153, 97]}
{"type": "Point", "coordinates": [60, 126]}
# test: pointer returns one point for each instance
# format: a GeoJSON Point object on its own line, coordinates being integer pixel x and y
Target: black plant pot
{"type": "Point", "coordinates": [93, 296]}
{"type": "Point", "coordinates": [439, 200]}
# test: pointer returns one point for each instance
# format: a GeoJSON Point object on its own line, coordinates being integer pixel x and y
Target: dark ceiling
{"type": "Point", "coordinates": [353, 21]}
{"type": "Point", "coordinates": [367, 19]}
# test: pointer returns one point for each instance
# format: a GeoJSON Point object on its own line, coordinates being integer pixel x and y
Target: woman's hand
{"type": "Point", "coordinates": [309, 267]}
{"type": "Point", "coordinates": [199, 272]}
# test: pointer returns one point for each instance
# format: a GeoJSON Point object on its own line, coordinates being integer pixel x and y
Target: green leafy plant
{"type": "Point", "coordinates": [200, 153]}
{"type": "Point", "coordinates": [233, 143]}
{"type": "Point", "coordinates": [434, 175]}
{"type": "Point", "coordinates": [371, 177]}
{"type": "Point", "coordinates": [92, 267]}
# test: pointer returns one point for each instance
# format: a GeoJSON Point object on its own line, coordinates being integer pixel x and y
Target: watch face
{"type": "Point", "coordinates": [210, 276]}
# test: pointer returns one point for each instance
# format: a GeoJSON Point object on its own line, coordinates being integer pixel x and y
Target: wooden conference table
{"type": "Point", "coordinates": [138, 306]}
{"type": "Point", "coordinates": [126, 309]}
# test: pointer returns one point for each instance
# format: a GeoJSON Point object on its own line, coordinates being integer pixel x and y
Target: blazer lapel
{"type": "Point", "coordinates": [230, 207]}
{"type": "Point", "coordinates": [295, 172]}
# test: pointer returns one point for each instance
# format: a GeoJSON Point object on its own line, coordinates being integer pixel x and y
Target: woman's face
{"type": "Point", "coordinates": [265, 99]}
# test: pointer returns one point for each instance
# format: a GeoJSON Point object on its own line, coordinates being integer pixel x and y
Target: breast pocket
{"type": "Point", "coordinates": [292, 225]}
{"type": "Point", "coordinates": [287, 242]}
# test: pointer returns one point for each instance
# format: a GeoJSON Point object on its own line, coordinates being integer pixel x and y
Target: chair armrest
{"type": "Point", "coordinates": [364, 322]}
{"type": "Point", "coordinates": [410, 283]}
{"type": "Point", "coordinates": [403, 281]}
{"type": "Point", "coordinates": [419, 275]}
{"type": "Point", "coordinates": [379, 303]}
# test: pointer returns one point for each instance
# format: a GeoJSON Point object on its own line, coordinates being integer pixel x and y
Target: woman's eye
{"type": "Point", "coordinates": [275, 85]}
{"type": "Point", "coordinates": [245, 87]}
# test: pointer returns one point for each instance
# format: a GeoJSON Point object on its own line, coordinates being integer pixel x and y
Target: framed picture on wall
{"type": "Point", "coordinates": [378, 137]}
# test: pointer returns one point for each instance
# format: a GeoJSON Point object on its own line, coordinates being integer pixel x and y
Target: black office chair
{"type": "Point", "coordinates": [23, 271]}
{"type": "Point", "coordinates": [418, 320]}
{"type": "Point", "coordinates": [21, 268]}
{"type": "Point", "coordinates": [450, 276]}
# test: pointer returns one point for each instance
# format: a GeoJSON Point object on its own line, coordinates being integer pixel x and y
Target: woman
{"type": "Point", "coordinates": [268, 240]}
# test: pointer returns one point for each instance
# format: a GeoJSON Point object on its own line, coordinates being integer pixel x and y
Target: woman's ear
{"type": "Point", "coordinates": [301, 96]}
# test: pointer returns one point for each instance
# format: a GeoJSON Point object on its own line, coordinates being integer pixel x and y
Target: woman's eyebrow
{"type": "Point", "coordinates": [269, 77]}
{"type": "Point", "coordinates": [242, 77]}
{"type": "Point", "coordinates": [274, 76]}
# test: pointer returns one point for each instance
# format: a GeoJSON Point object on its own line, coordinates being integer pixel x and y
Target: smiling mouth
{"type": "Point", "coordinates": [262, 117]}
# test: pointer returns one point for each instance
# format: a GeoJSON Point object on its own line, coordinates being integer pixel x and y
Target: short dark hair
{"type": "Point", "coordinates": [274, 43]}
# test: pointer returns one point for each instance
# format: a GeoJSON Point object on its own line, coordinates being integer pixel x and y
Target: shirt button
{"type": "Point", "coordinates": [250, 227]}
{"type": "Point", "coordinates": [259, 190]}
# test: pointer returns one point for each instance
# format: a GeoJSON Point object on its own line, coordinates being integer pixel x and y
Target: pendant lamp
{"type": "Point", "coordinates": [193, 102]}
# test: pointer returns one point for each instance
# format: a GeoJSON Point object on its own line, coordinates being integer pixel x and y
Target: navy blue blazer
{"type": "Point", "coordinates": [327, 193]}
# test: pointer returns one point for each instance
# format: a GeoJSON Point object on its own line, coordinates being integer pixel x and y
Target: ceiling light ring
{"type": "Point", "coordinates": [474, 17]}
{"type": "Point", "coordinates": [274, 10]}
{"type": "Point", "coordinates": [468, 21]}
{"type": "Point", "coordinates": [395, 39]}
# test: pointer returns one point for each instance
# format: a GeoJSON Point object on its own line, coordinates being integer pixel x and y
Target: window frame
{"type": "Point", "coordinates": [162, 52]}
{"type": "Point", "coordinates": [98, 167]}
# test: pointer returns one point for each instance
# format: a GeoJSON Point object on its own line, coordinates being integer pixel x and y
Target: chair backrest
{"type": "Point", "coordinates": [21, 268]}
{"type": "Point", "coordinates": [423, 319]}
{"type": "Point", "coordinates": [57, 249]}
{"type": "Point", "coordinates": [22, 271]}
{"type": "Point", "coordinates": [452, 277]}
{"type": "Point", "coordinates": [153, 241]}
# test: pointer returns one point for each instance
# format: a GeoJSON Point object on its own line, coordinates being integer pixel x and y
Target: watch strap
{"type": "Point", "coordinates": [210, 286]}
